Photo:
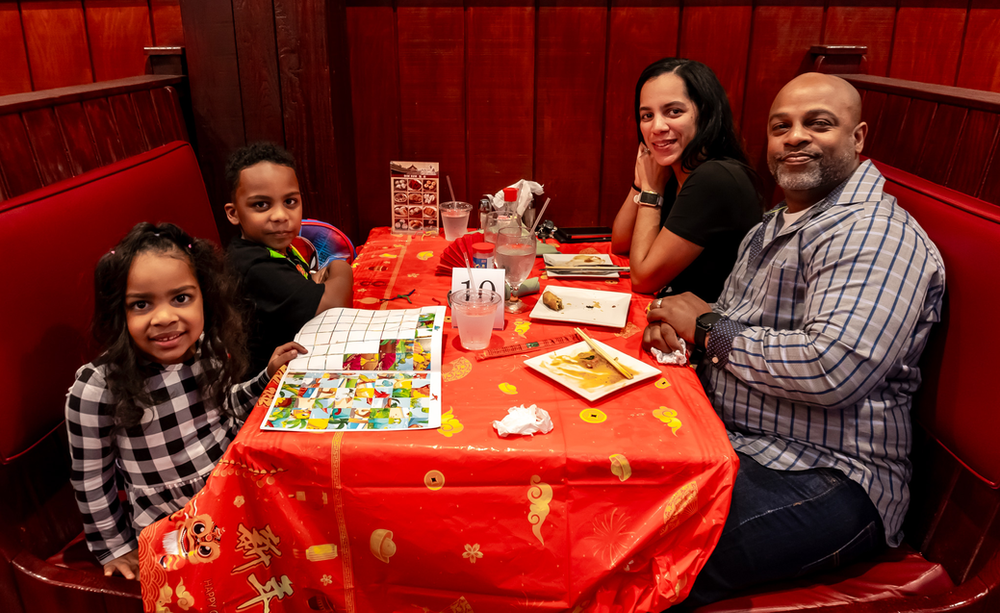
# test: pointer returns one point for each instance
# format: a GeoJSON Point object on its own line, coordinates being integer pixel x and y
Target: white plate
{"type": "Point", "coordinates": [643, 371]}
{"type": "Point", "coordinates": [561, 259]}
{"type": "Point", "coordinates": [585, 306]}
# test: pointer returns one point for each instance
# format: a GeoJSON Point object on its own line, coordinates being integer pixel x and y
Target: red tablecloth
{"type": "Point", "coordinates": [616, 509]}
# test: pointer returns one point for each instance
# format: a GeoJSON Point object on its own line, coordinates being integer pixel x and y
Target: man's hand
{"type": "Point", "coordinates": [126, 565]}
{"type": "Point", "coordinates": [672, 317]}
{"type": "Point", "coordinates": [283, 355]}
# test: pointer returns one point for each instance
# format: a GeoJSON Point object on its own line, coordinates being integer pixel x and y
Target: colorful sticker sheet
{"type": "Point", "coordinates": [364, 370]}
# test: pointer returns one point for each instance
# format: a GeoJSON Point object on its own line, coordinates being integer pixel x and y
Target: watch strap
{"type": "Point", "coordinates": [703, 325]}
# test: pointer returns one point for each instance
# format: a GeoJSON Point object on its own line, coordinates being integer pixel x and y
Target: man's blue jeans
{"type": "Point", "coordinates": [785, 524]}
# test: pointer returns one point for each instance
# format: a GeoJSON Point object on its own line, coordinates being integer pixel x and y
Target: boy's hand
{"type": "Point", "coordinates": [283, 355]}
{"type": "Point", "coordinates": [126, 565]}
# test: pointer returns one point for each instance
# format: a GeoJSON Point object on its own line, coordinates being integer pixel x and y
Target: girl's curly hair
{"type": "Point", "coordinates": [223, 346]}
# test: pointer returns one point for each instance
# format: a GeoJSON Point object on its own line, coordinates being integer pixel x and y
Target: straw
{"type": "Point", "coordinates": [472, 281]}
{"type": "Point", "coordinates": [538, 218]}
{"type": "Point", "coordinates": [450, 189]}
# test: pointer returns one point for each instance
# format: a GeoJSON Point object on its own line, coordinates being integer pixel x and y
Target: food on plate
{"type": "Point", "coordinates": [430, 185]}
{"type": "Point", "coordinates": [399, 211]}
{"type": "Point", "coordinates": [400, 224]}
{"type": "Point", "coordinates": [415, 184]}
{"type": "Point", "coordinates": [416, 198]}
{"type": "Point", "coordinates": [399, 198]}
{"type": "Point", "coordinates": [552, 301]}
{"type": "Point", "coordinates": [587, 369]}
{"type": "Point", "coordinates": [430, 198]}
{"type": "Point", "coordinates": [430, 211]}
{"type": "Point", "coordinates": [416, 224]}
{"type": "Point", "coordinates": [415, 211]}
{"type": "Point", "coordinates": [430, 224]}
{"type": "Point", "coordinates": [399, 184]}
{"type": "Point", "coordinates": [585, 259]}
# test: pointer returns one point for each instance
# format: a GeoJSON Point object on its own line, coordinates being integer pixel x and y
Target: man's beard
{"type": "Point", "coordinates": [827, 171]}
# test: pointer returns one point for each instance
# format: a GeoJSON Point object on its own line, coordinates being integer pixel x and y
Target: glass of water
{"type": "Point", "coordinates": [516, 255]}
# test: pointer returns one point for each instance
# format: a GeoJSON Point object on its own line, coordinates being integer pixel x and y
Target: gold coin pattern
{"type": "Point", "coordinates": [539, 495]}
{"type": "Point", "coordinates": [425, 255]}
{"type": "Point", "coordinates": [593, 416]}
{"type": "Point", "coordinates": [662, 383]}
{"type": "Point", "coordinates": [508, 388]}
{"type": "Point", "coordinates": [682, 504]}
{"type": "Point", "coordinates": [434, 480]}
{"type": "Point", "coordinates": [620, 466]}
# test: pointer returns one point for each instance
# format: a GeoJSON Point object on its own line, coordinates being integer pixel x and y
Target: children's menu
{"type": "Point", "coordinates": [365, 370]}
{"type": "Point", "coordinates": [415, 196]}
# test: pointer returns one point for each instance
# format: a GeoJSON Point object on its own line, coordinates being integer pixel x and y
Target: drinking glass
{"type": "Point", "coordinates": [474, 311]}
{"type": "Point", "coordinates": [454, 219]}
{"type": "Point", "coordinates": [497, 220]}
{"type": "Point", "coordinates": [516, 255]}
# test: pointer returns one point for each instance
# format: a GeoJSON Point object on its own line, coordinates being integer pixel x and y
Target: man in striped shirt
{"type": "Point", "coordinates": [811, 351]}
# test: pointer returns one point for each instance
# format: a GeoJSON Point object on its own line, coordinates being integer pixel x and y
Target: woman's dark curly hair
{"type": "Point", "coordinates": [223, 346]}
{"type": "Point", "coordinates": [716, 136]}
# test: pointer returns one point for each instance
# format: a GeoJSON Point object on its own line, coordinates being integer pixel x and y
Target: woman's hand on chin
{"type": "Point", "coordinates": [650, 176]}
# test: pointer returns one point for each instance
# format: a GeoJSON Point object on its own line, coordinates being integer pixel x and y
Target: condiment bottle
{"type": "Point", "coordinates": [482, 255]}
{"type": "Point", "coordinates": [484, 210]}
{"type": "Point", "coordinates": [510, 200]}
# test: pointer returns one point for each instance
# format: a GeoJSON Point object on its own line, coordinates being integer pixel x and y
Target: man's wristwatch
{"type": "Point", "coordinates": [650, 199]}
{"type": "Point", "coordinates": [702, 326]}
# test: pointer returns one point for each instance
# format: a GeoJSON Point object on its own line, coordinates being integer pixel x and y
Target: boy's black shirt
{"type": "Point", "coordinates": [283, 299]}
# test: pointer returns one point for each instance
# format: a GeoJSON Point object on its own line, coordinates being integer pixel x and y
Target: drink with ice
{"type": "Point", "coordinates": [516, 255]}
{"type": "Point", "coordinates": [474, 311]}
{"type": "Point", "coordinates": [455, 218]}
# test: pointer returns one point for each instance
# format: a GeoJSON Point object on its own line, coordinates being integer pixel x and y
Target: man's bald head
{"type": "Point", "coordinates": [834, 90]}
{"type": "Point", "coordinates": [815, 137]}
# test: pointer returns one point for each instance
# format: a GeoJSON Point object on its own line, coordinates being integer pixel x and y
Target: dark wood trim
{"type": "Point", "coordinates": [958, 96]}
{"type": "Point", "coordinates": [17, 103]}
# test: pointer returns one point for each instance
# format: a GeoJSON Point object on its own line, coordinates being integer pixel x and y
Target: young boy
{"type": "Point", "coordinates": [266, 205]}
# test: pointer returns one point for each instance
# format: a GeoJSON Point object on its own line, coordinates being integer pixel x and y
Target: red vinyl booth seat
{"type": "Point", "coordinates": [950, 561]}
{"type": "Point", "coordinates": [52, 238]}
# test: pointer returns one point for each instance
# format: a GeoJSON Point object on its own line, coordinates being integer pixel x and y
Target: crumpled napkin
{"type": "Point", "coordinates": [678, 357]}
{"type": "Point", "coordinates": [524, 420]}
{"type": "Point", "coordinates": [523, 195]}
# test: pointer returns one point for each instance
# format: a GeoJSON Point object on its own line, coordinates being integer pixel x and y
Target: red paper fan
{"type": "Point", "coordinates": [452, 256]}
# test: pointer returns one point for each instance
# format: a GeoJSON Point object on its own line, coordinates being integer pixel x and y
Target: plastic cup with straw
{"type": "Point", "coordinates": [454, 215]}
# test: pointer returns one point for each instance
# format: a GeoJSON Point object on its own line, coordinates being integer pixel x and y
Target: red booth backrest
{"type": "Point", "coordinates": [52, 238]}
{"type": "Point", "coordinates": [957, 403]}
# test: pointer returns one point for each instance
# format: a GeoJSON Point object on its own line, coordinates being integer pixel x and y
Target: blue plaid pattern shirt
{"type": "Point", "coordinates": [814, 362]}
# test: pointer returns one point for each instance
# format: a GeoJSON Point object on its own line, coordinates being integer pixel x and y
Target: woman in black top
{"type": "Point", "coordinates": [694, 197]}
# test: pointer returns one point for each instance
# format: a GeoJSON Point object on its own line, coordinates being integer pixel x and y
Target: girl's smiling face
{"type": "Point", "coordinates": [163, 306]}
{"type": "Point", "coordinates": [668, 119]}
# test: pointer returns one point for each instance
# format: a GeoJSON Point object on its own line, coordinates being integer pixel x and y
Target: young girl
{"type": "Point", "coordinates": [160, 405]}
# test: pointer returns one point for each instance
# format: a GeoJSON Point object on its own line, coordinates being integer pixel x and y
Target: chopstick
{"type": "Point", "coordinates": [597, 349]}
{"type": "Point", "coordinates": [586, 269]}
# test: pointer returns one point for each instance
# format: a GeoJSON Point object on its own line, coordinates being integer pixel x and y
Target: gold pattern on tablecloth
{"type": "Point", "coordinates": [539, 495]}
{"type": "Point", "coordinates": [682, 504]}
{"type": "Point", "coordinates": [521, 327]}
{"type": "Point", "coordinates": [620, 466]}
{"type": "Point", "coordinates": [472, 552]}
{"type": "Point", "coordinates": [613, 540]}
{"type": "Point", "coordinates": [460, 606]}
{"type": "Point", "coordinates": [425, 255]}
{"type": "Point", "coordinates": [460, 367]}
{"type": "Point", "coordinates": [669, 417]}
{"type": "Point", "coordinates": [317, 553]}
{"type": "Point", "coordinates": [450, 426]}
{"type": "Point", "coordinates": [434, 480]}
{"type": "Point", "coordinates": [381, 545]}
{"type": "Point", "coordinates": [593, 416]}
{"type": "Point", "coordinates": [338, 508]}
{"type": "Point", "coordinates": [629, 329]}
{"type": "Point", "coordinates": [184, 598]}
{"type": "Point", "coordinates": [661, 383]}
{"type": "Point", "coordinates": [259, 476]}
{"type": "Point", "coordinates": [508, 388]}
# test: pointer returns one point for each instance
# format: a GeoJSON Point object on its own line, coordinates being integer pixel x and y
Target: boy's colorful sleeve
{"type": "Point", "coordinates": [243, 396]}
{"type": "Point", "coordinates": [106, 524]}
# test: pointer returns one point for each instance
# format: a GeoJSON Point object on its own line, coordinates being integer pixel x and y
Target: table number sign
{"type": "Point", "coordinates": [486, 278]}
{"type": "Point", "coordinates": [415, 190]}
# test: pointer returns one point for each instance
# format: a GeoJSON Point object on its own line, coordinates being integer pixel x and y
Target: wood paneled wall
{"type": "Point", "coordinates": [498, 91]}
{"type": "Point", "coordinates": [60, 43]}
{"type": "Point", "coordinates": [61, 133]}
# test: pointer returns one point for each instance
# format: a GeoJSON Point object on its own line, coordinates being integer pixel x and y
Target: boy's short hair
{"type": "Point", "coordinates": [245, 157]}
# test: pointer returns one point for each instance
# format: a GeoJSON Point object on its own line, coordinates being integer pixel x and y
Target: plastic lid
{"type": "Point", "coordinates": [484, 247]}
{"type": "Point", "coordinates": [509, 194]}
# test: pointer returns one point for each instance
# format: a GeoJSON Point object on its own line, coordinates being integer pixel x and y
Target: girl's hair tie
{"type": "Point", "coordinates": [189, 245]}
{"type": "Point", "coordinates": [112, 252]}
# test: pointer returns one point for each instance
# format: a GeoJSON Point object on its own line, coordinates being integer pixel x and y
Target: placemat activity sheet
{"type": "Point", "coordinates": [365, 370]}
